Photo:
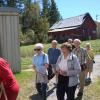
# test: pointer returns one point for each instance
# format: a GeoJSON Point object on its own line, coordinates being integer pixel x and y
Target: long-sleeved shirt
{"type": "Point", "coordinates": [53, 54]}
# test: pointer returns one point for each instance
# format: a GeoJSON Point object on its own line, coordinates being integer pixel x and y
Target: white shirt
{"type": "Point", "coordinates": [63, 63]}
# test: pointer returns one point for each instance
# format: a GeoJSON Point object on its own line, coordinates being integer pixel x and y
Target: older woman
{"type": "Point", "coordinates": [68, 68]}
{"type": "Point", "coordinates": [40, 64]}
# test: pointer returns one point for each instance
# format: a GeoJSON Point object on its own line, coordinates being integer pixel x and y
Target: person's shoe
{"type": "Point", "coordinates": [47, 87]}
{"type": "Point", "coordinates": [86, 80]}
{"type": "Point", "coordinates": [80, 94]}
{"type": "Point", "coordinates": [89, 79]}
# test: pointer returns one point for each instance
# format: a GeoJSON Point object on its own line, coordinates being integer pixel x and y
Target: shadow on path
{"type": "Point", "coordinates": [37, 97]}
{"type": "Point", "coordinates": [78, 98]}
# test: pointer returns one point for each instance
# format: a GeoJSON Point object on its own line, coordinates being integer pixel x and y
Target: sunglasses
{"type": "Point", "coordinates": [37, 49]}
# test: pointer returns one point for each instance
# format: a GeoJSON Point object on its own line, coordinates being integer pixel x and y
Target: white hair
{"type": "Point", "coordinates": [88, 45]}
{"type": "Point", "coordinates": [77, 40]}
{"type": "Point", "coordinates": [39, 46]}
{"type": "Point", "coordinates": [54, 41]}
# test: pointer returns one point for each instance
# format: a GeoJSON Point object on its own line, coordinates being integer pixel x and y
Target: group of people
{"type": "Point", "coordinates": [71, 65]}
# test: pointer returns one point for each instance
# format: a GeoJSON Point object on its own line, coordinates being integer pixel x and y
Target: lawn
{"type": "Point", "coordinates": [26, 81]}
{"type": "Point", "coordinates": [92, 92]}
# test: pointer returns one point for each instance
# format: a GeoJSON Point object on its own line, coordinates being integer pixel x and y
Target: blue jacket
{"type": "Point", "coordinates": [53, 54]}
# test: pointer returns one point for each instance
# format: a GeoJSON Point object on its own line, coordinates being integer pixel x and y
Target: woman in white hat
{"type": "Point", "coordinates": [40, 64]}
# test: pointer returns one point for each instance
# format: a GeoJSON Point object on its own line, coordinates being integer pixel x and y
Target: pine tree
{"type": "Point", "coordinates": [54, 14]}
{"type": "Point", "coordinates": [45, 10]}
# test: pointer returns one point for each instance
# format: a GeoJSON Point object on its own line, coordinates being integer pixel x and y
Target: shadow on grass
{"type": "Point", "coordinates": [38, 97]}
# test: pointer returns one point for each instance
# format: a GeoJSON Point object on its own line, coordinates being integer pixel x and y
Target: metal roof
{"type": "Point", "coordinates": [62, 29]}
{"type": "Point", "coordinates": [69, 22]}
{"type": "Point", "coordinates": [8, 10]}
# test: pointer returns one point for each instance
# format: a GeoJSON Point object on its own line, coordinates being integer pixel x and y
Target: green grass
{"type": "Point", "coordinates": [26, 81]}
{"type": "Point", "coordinates": [28, 51]}
{"type": "Point", "coordinates": [92, 92]}
{"type": "Point", "coordinates": [25, 62]}
{"type": "Point", "coordinates": [95, 45]}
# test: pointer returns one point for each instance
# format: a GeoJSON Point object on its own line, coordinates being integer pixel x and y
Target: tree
{"type": "Point", "coordinates": [54, 14]}
{"type": "Point", "coordinates": [30, 17]}
{"type": "Point", "coordinates": [45, 10]}
{"type": "Point", "coordinates": [11, 3]}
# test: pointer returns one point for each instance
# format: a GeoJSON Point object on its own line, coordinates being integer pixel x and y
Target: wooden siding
{"type": "Point", "coordinates": [9, 44]}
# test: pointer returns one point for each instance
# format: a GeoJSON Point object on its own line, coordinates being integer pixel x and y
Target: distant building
{"type": "Point", "coordinates": [82, 27]}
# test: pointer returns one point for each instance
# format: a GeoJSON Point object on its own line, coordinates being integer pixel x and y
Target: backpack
{"type": "Point", "coordinates": [49, 69]}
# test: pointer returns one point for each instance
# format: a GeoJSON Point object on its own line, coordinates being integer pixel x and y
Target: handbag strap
{"type": "Point", "coordinates": [3, 91]}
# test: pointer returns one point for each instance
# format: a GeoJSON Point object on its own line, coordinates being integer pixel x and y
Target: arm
{"type": "Point", "coordinates": [57, 66]}
{"type": "Point", "coordinates": [77, 68]}
{"type": "Point", "coordinates": [86, 55]}
{"type": "Point", "coordinates": [33, 63]}
{"type": "Point", "coordinates": [46, 61]}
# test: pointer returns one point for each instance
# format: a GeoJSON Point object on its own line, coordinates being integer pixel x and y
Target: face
{"type": "Point", "coordinates": [88, 47]}
{"type": "Point", "coordinates": [38, 50]}
{"type": "Point", "coordinates": [77, 44]}
{"type": "Point", "coordinates": [54, 45]}
{"type": "Point", "coordinates": [64, 50]}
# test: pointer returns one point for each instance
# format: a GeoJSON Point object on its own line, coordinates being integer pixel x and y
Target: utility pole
{"type": "Point", "coordinates": [97, 30]}
{"type": "Point", "coordinates": [97, 17]}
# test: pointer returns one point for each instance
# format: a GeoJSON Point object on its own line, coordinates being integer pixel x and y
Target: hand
{"type": "Point", "coordinates": [62, 72]}
{"type": "Point", "coordinates": [46, 65]}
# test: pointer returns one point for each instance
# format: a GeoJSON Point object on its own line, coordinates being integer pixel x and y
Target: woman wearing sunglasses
{"type": "Point", "coordinates": [40, 65]}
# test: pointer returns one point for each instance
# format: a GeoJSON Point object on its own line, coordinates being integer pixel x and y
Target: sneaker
{"type": "Point", "coordinates": [86, 80]}
{"type": "Point", "coordinates": [89, 79]}
{"type": "Point", "coordinates": [47, 88]}
{"type": "Point", "coordinates": [80, 94]}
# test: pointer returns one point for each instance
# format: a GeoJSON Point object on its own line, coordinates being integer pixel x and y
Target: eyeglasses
{"type": "Point", "coordinates": [37, 49]}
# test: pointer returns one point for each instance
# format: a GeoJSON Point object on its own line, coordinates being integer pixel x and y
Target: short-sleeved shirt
{"type": "Point", "coordinates": [38, 61]}
{"type": "Point", "coordinates": [53, 54]}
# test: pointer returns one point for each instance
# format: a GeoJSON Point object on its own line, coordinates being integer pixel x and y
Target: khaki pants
{"type": "Point", "coordinates": [82, 81]}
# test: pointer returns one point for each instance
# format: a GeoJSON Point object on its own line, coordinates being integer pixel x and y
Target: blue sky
{"type": "Point", "coordinates": [70, 8]}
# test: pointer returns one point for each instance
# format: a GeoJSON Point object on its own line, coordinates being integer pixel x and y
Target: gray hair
{"type": "Point", "coordinates": [38, 46]}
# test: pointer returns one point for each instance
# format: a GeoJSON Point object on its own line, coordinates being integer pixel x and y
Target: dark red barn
{"type": "Point", "coordinates": [82, 27]}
